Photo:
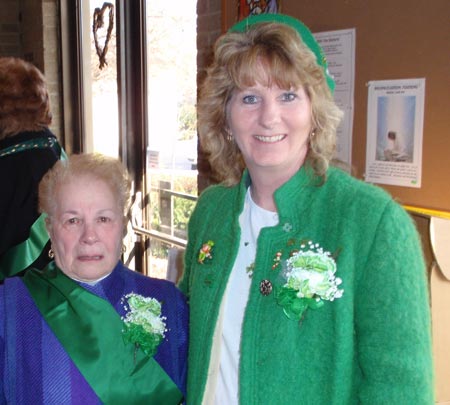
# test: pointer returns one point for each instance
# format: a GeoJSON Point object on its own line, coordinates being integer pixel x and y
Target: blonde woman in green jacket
{"type": "Point", "coordinates": [305, 285]}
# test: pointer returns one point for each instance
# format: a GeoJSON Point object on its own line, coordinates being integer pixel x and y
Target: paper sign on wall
{"type": "Point", "coordinates": [395, 132]}
{"type": "Point", "coordinates": [339, 49]}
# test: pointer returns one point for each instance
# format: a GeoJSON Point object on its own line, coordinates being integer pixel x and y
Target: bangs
{"type": "Point", "coordinates": [267, 67]}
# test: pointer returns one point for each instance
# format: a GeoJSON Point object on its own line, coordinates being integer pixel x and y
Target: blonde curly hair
{"type": "Point", "coordinates": [288, 63]}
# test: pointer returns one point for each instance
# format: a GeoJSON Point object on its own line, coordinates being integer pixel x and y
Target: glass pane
{"type": "Point", "coordinates": [172, 127]}
{"type": "Point", "coordinates": [102, 78]}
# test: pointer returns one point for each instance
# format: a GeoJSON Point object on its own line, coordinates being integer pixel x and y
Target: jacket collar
{"type": "Point", "coordinates": [297, 191]}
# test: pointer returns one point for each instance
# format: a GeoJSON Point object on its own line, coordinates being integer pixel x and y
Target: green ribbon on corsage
{"type": "Point", "coordinates": [293, 306]}
{"type": "Point", "coordinates": [90, 330]}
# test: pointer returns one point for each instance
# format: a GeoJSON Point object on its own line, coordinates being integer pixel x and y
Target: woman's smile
{"type": "Point", "coordinates": [270, 139]}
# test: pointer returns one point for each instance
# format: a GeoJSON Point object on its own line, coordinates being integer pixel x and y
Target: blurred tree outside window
{"type": "Point", "coordinates": [172, 127]}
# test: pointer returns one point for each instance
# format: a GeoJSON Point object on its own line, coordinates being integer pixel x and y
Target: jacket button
{"type": "Point", "coordinates": [265, 287]}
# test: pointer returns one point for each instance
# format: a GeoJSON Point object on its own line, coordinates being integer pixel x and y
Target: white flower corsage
{"type": "Point", "coordinates": [143, 324]}
{"type": "Point", "coordinates": [309, 279]}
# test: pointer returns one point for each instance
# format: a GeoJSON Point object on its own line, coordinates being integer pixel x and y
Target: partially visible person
{"type": "Point", "coordinates": [87, 330]}
{"type": "Point", "coordinates": [27, 150]}
{"type": "Point", "coordinates": [305, 285]}
{"type": "Point", "coordinates": [394, 151]}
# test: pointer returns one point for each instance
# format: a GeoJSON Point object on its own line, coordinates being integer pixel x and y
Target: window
{"type": "Point", "coordinates": [101, 79]}
{"type": "Point", "coordinates": [171, 154]}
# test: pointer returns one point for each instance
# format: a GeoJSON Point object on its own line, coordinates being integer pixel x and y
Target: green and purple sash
{"type": "Point", "coordinates": [89, 329]}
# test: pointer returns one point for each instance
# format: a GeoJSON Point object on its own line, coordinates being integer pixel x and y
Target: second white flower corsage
{"type": "Point", "coordinates": [143, 324]}
{"type": "Point", "coordinates": [309, 279]}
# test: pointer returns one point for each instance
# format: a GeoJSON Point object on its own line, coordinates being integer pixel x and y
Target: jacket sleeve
{"type": "Point", "coordinates": [393, 326]}
{"type": "Point", "coordinates": [183, 339]}
{"type": "Point", "coordinates": [2, 345]}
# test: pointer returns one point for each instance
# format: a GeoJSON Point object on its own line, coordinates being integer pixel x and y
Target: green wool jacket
{"type": "Point", "coordinates": [371, 346]}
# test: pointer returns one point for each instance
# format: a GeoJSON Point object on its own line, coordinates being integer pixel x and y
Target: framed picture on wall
{"type": "Point", "coordinates": [252, 7]}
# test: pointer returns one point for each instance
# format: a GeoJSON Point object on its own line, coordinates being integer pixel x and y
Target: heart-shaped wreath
{"type": "Point", "coordinates": [98, 22]}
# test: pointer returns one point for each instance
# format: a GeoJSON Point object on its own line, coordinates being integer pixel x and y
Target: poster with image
{"type": "Point", "coordinates": [395, 132]}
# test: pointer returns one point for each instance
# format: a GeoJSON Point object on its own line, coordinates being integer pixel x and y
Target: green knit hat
{"type": "Point", "coordinates": [303, 31]}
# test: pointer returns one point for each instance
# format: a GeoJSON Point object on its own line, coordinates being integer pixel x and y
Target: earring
{"type": "Point", "coordinates": [229, 136]}
{"type": "Point", "coordinates": [124, 248]}
{"type": "Point", "coordinates": [312, 134]}
{"type": "Point", "coordinates": [51, 254]}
